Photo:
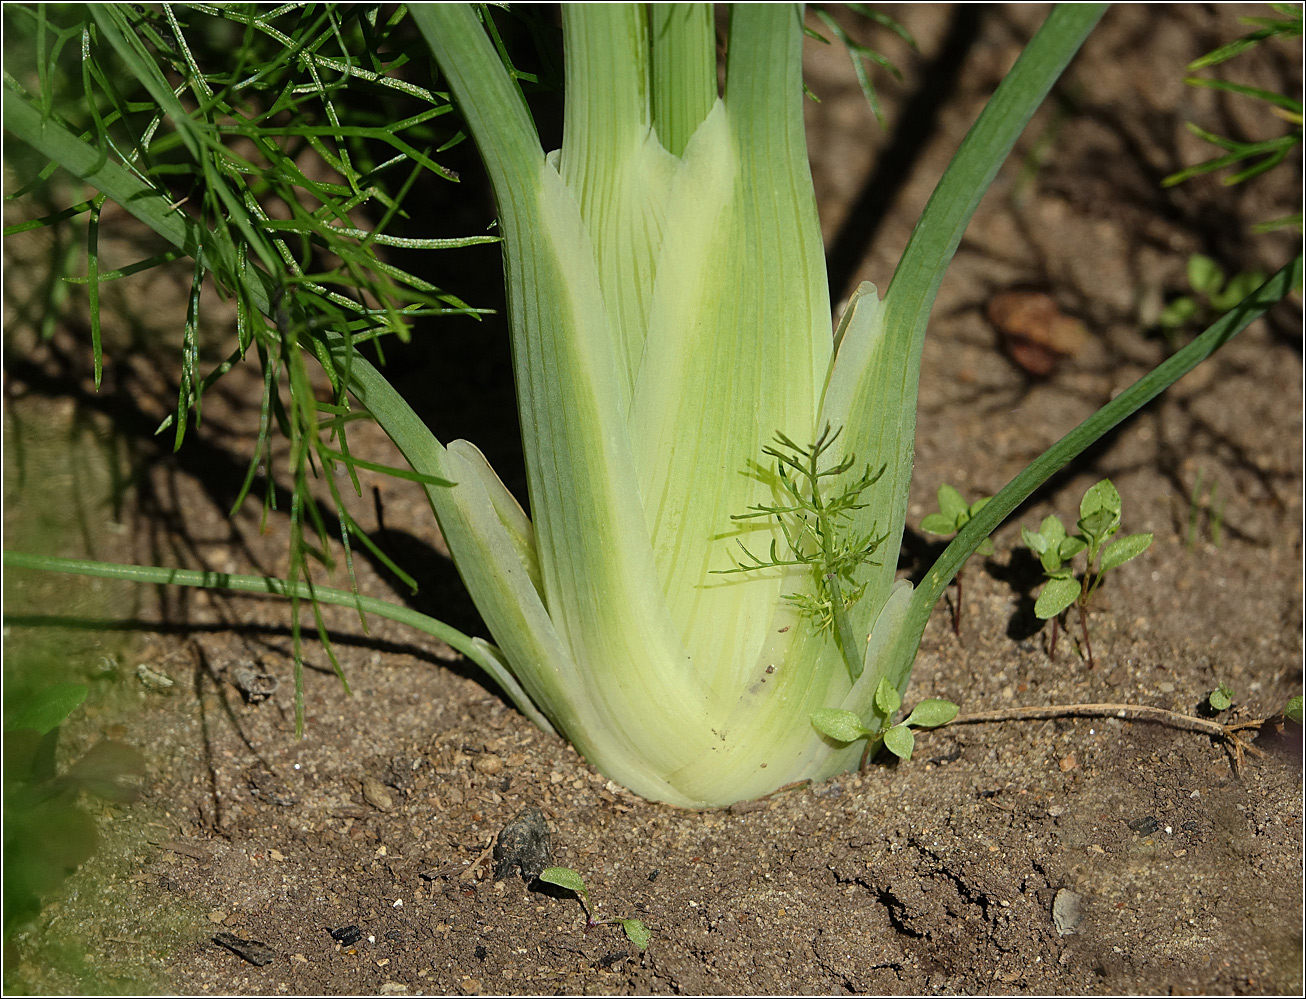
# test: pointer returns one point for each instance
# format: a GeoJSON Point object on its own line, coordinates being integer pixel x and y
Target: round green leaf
{"type": "Point", "coordinates": [636, 932]}
{"type": "Point", "coordinates": [1100, 496]}
{"type": "Point", "coordinates": [1034, 541]}
{"type": "Point", "coordinates": [838, 724]}
{"type": "Point", "coordinates": [899, 741]}
{"type": "Point", "coordinates": [563, 877]}
{"type": "Point", "coordinates": [1220, 699]}
{"type": "Point", "coordinates": [938, 523]}
{"type": "Point", "coordinates": [1239, 287]}
{"type": "Point", "coordinates": [1204, 274]}
{"type": "Point", "coordinates": [1057, 595]}
{"type": "Point", "coordinates": [1100, 525]}
{"type": "Point", "coordinates": [1123, 549]}
{"type": "Point", "coordinates": [1293, 709]}
{"type": "Point", "coordinates": [1071, 547]}
{"type": "Point", "coordinates": [985, 547]}
{"type": "Point", "coordinates": [1051, 561]}
{"type": "Point", "coordinates": [1177, 313]}
{"type": "Point", "coordinates": [1052, 529]}
{"type": "Point", "coordinates": [887, 698]}
{"type": "Point", "coordinates": [951, 503]}
{"type": "Point", "coordinates": [932, 712]}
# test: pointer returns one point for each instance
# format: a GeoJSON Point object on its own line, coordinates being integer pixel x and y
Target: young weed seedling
{"type": "Point", "coordinates": [953, 515]}
{"type": "Point", "coordinates": [1208, 499]}
{"type": "Point", "coordinates": [1212, 295]}
{"type": "Point", "coordinates": [564, 877]}
{"type": "Point", "coordinates": [1099, 520]}
{"type": "Point", "coordinates": [845, 726]}
{"type": "Point", "coordinates": [1221, 698]}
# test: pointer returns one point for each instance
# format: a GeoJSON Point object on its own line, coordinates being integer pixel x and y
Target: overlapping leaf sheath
{"type": "Point", "coordinates": [669, 316]}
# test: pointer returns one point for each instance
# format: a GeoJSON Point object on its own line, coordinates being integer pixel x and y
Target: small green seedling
{"type": "Point", "coordinates": [1213, 295]}
{"type": "Point", "coordinates": [565, 877]}
{"type": "Point", "coordinates": [1099, 520]}
{"type": "Point", "coordinates": [1221, 698]}
{"type": "Point", "coordinates": [844, 726]}
{"type": "Point", "coordinates": [953, 515]}
{"type": "Point", "coordinates": [1208, 499]}
{"type": "Point", "coordinates": [1293, 709]}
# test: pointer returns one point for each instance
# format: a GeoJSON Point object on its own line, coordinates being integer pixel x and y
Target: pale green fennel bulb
{"type": "Point", "coordinates": [670, 316]}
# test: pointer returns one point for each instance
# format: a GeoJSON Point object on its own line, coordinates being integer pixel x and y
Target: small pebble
{"type": "Point", "coordinates": [524, 845]}
{"type": "Point", "coordinates": [1145, 826]}
{"type": "Point", "coordinates": [1067, 912]}
{"type": "Point", "coordinates": [253, 684]}
{"type": "Point", "coordinates": [153, 678]}
{"type": "Point", "coordinates": [376, 794]}
{"type": "Point", "coordinates": [346, 935]}
{"type": "Point", "coordinates": [256, 952]}
{"type": "Point", "coordinates": [488, 764]}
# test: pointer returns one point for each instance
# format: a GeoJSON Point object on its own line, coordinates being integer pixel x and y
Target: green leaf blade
{"type": "Point", "coordinates": [1057, 595]}
{"type": "Point", "coordinates": [564, 877]}
{"type": "Point", "coordinates": [1123, 549]}
{"type": "Point", "coordinates": [838, 724]}
{"type": "Point", "coordinates": [932, 712]}
{"type": "Point", "coordinates": [938, 524]}
{"type": "Point", "coordinates": [47, 710]}
{"type": "Point", "coordinates": [1101, 497]}
{"type": "Point", "coordinates": [900, 741]}
{"type": "Point", "coordinates": [951, 503]}
{"type": "Point", "coordinates": [887, 698]}
{"type": "Point", "coordinates": [636, 932]}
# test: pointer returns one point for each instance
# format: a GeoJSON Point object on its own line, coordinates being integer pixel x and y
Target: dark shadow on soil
{"type": "Point", "coordinates": [917, 122]}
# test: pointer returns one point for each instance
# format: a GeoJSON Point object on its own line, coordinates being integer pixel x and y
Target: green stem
{"type": "Point", "coordinates": [880, 414]}
{"type": "Point", "coordinates": [474, 649]}
{"type": "Point", "coordinates": [683, 70]}
{"type": "Point", "coordinates": [853, 653]}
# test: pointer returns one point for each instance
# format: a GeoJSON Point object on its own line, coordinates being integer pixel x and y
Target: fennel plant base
{"type": "Point", "coordinates": [890, 881]}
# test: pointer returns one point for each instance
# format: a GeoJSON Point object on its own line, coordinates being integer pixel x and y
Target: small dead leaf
{"type": "Point", "coordinates": [1033, 332]}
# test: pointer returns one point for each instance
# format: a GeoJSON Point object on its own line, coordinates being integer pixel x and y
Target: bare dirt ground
{"type": "Point", "coordinates": [1076, 855]}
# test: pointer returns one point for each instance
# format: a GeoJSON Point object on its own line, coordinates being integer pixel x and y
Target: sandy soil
{"type": "Point", "coordinates": [1067, 855]}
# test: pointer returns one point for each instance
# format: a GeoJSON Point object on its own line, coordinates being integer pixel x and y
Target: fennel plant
{"type": "Point", "coordinates": [717, 478]}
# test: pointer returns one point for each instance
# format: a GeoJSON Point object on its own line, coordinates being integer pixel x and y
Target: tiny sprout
{"type": "Point", "coordinates": [844, 726]}
{"type": "Point", "coordinates": [1206, 496]}
{"type": "Point", "coordinates": [953, 515]}
{"type": "Point", "coordinates": [813, 518]}
{"type": "Point", "coordinates": [564, 877]}
{"type": "Point", "coordinates": [1293, 709]}
{"type": "Point", "coordinates": [1099, 520]}
{"type": "Point", "coordinates": [1212, 295]}
{"type": "Point", "coordinates": [1221, 698]}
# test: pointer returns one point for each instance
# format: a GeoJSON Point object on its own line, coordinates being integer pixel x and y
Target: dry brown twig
{"type": "Point", "coordinates": [1128, 712]}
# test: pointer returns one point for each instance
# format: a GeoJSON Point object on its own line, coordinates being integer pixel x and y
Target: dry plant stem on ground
{"type": "Point", "coordinates": [1225, 733]}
